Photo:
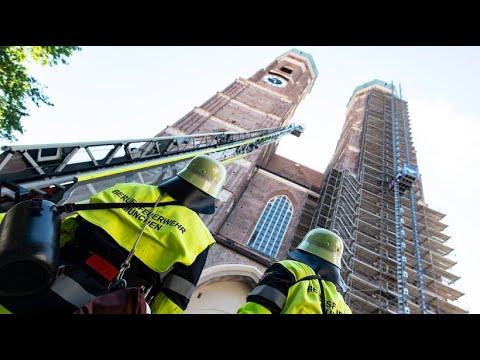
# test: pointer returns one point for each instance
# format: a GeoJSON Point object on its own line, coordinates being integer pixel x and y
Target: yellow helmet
{"type": "Point", "coordinates": [322, 250]}
{"type": "Point", "coordinates": [325, 244]}
{"type": "Point", "coordinates": [198, 184]}
{"type": "Point", "coordinates": [206, 174]}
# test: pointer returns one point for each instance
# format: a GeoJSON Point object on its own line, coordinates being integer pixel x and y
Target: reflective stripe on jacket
{"type": "Point", "coordinates": [291, 296]}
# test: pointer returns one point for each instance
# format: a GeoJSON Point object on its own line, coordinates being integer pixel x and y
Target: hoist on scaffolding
{"type": "Point", "coordinates": [405, 178]}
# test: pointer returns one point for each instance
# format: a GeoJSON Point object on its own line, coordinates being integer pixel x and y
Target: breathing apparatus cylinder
{"type": "Point", "coordinates": [29, 247]}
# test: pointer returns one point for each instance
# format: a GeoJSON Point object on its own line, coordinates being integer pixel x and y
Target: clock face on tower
{"type": "Point", "coordinates": [274, 80]}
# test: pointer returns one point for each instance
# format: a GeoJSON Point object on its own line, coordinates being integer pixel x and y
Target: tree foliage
{"type": "Point", "coordinates": [17, 86]}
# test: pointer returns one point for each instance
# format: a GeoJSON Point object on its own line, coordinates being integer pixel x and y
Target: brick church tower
{"type": "Point", "coordinates": [265, 195]}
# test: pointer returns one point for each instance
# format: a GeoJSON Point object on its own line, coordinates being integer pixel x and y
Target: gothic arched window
{"type": "Point", "coordinates": [271, 227]}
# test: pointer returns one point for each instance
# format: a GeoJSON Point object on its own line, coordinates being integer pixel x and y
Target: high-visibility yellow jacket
{"type": "Point", "coordinates": [174, 246]}
{"type": "Point", "coordinates": [281, 290]}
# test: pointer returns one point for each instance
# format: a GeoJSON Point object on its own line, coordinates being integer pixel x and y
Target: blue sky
{"type": "Point", "coordinates": [110, 93]}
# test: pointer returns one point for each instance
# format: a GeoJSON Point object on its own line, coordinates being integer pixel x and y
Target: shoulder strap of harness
{"type": "Point", "coordinates": [322, 291]}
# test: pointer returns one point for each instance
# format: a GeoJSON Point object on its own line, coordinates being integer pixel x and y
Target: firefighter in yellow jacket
{"type": "Point", "coordinates": [169, 257]}
{"type": "Point", "coordinates": [306, 283]}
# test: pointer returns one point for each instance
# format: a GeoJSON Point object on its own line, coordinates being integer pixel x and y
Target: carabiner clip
{"type": "Point", "coordinates": [117, 284]}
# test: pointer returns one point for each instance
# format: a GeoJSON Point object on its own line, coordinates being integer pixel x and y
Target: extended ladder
{"type": "Point", "coordinates": [72, 171]}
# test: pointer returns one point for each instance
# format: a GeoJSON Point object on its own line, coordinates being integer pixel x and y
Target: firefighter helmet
{"type": "Point", "coordinates": [325, 244]}
{"type": "Point", "coordinates": [206, 174]}
{"type": "Point", "coordinates": [322, 250]}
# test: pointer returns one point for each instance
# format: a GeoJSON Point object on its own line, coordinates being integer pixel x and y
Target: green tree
{"type": "Point", "coordinates": [17, 86]}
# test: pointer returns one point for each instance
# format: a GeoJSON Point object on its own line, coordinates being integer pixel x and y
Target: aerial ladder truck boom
{"type": "Point", "coordinates": [40, 182]}
{"type": "Point", "coordinates": [74, 171]}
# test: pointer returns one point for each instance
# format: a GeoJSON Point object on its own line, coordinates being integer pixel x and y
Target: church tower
{"type": "Point", "coordinates": [396, 257]}
{"type": "Point", "coordinates": [264, 195]}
